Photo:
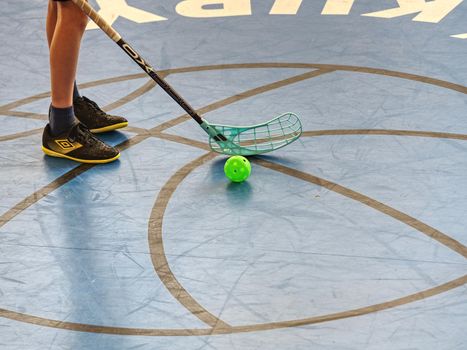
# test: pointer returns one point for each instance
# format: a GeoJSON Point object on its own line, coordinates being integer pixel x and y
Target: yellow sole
{"type": "Point", "coordinates": [109, 128]}
{"type": "Point", "coordinates": [59, 155]}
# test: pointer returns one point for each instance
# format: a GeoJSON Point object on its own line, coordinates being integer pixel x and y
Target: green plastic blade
{"type": "Point", "coordinates": [256, 139]}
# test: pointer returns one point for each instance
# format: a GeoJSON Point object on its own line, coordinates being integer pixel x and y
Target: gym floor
{"type": "Point", "coordinates": [353, 237]}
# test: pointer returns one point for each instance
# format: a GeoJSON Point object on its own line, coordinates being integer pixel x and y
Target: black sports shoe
{"type": "Point", "coordinates": [94, 118]}
{"type": "Point", "coordinates": [78, 144]}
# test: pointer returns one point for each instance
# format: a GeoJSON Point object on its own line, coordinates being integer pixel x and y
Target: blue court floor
{"type": "Point", "coordinates": [353, 237]}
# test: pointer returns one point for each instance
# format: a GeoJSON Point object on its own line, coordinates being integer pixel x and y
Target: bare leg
{"type": "Point", "coordinates": [65, 27]}
{"type": "Point", "coordinates": [65, 40]}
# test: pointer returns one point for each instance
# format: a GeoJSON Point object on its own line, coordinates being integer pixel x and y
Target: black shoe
{"type": "Point", "coordinates": [94, 118]}
{"type": "Point", "coordinates": [78, 144]}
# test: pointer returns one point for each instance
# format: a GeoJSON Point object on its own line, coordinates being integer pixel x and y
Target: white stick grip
{"type": "Point", "coordinates": [96, 18]}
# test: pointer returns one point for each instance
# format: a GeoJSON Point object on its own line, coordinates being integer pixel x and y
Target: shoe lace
{"type": "Point", "coordinates": [93, 105]}
{"type": "Point", "coordinates": [82, 134]}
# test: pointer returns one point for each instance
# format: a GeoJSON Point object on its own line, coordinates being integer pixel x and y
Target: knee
{"type": "Point", "coordinates": [81, 21]}
{"type": "Point", "coordinates": [72, 16]}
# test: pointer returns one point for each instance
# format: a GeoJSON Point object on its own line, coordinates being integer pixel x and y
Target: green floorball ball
{"type": "Point", "coordinates": [237, 168]}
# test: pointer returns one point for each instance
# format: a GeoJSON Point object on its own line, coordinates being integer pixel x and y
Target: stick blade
{"type": "Point", "coordinates": [257, 139]}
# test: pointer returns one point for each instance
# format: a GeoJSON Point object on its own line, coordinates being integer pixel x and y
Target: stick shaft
{"type": "Point", "coordinates": [116, 37]}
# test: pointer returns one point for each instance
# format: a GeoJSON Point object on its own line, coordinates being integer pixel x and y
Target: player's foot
{"type": "Point", "coordinates": [94, 118]}
{"type": "Point", "coordinates": [78, 144]}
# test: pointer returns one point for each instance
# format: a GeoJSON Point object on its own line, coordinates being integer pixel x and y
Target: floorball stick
{"type": "Point", "coordinates": [226, 139]}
